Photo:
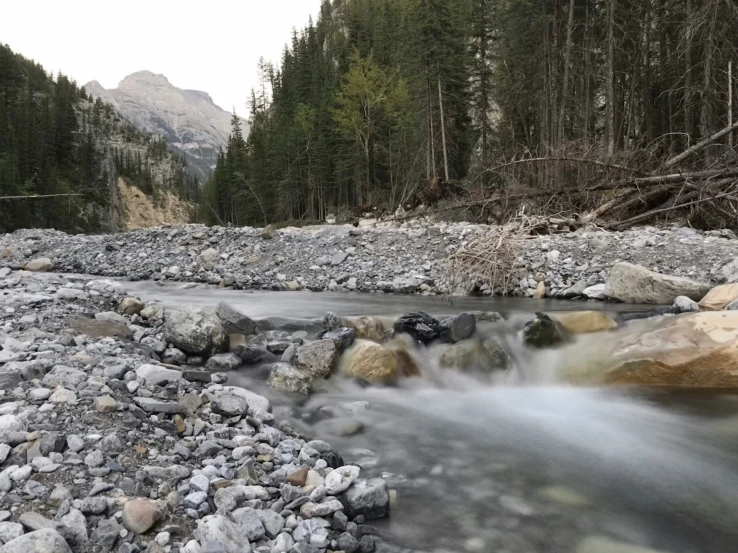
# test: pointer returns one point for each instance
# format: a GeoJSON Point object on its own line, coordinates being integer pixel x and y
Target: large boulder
{"type": "Point", "coordinates": [378, 364]}
{"type": "Point", "coordinates": [218, 533]}
{"type": "Point", "coordinates": [458, 327]}
{"type": "Point", "coordinates": [318, 359]}
{"type": "Point", "coordinates": [635, 284]}
{"type": "Point", "coordinates": [371, 362]}
{"type": "Point", "coordinates": [689, 350]}
{"type": "Point", "coordinates": [194, 331]}
{"type": "Point", "coordinates": [582, 322]}
{"type": "Point", "coordinates": [235, 322]}
{"type": "Point", "coordinates": [40, 265]}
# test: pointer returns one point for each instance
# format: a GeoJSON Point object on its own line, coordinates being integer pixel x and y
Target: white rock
{"type": "Point", "coordinates": [340, 479]}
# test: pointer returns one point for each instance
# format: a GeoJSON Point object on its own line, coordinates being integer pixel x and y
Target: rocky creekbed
{"type": "Point", "coordinates": [107, 445]}
{"type": "Point", "coordinates": [407, 258]}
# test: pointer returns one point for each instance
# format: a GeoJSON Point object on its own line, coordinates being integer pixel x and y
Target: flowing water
{"type": "Point", "coordinates": [525, 465]}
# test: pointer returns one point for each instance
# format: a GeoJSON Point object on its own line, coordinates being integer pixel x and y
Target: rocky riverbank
{"type": "Point", "coordinates": [103, 447]}
{"type": "Point", "coordinates": [408, 258]}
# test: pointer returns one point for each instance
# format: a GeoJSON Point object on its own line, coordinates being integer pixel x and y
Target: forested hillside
{"type": "Point", "coordinates": [55, 142]}
{"type": "Point", "coordinates": [378, 96]}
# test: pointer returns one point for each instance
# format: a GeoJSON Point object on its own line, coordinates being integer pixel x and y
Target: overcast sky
{"type": "Point", "coordinates": [210, 45]}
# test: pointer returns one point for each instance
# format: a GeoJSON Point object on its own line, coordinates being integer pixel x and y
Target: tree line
{"type": "Point", "coordinates": [60, 145]}
{"type": "Point", "coordinates": [376, 97]}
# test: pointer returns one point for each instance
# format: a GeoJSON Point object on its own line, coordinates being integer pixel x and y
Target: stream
{"type": "Point", "coordinates": [526, 466]}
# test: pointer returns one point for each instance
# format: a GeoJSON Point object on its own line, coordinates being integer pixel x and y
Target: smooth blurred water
{"type": "Point", "coordinates": [524, 465]}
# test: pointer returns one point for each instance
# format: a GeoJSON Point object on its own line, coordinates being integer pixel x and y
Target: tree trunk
{"type": "Point", "coordinates": [610, 78]}
{"type": "Point", "coordinates": [706, 119]}
{"type": "Point", "coordinates": [565, 84]}
{"type": "Point", "coordinates": [730, 103]}
{"type": "Point", "coordinates": [688, 78]}
{"type": "Point", "coordinates": [443, 129]}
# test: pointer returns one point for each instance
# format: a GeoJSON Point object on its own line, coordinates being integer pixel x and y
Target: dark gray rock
{"type": "Point", "coordinates": [234, 322]}
{"type": "Point", "coordinates": [421, 326]}
{"type": "Point", "coordinates": [458, 327]}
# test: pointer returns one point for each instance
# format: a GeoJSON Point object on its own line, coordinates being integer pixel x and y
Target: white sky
{"type": "Point", "coordinates": [210, 45]}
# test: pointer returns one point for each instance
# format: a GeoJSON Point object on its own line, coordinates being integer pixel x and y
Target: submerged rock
{"type": "Point", "coordinates": [476, 354]}
{"type": "Point", "coordinates": [541, 331]}
{"type": "Point", "coordinates": [458, 327]}
{"type": "Point", "coordinates": [234, 322]}
{"type": "Point", "coordinates": [582, 322]}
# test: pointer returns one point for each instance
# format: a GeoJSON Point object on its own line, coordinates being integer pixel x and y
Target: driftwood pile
{"type": "Point", "coordinates": [618, 196]}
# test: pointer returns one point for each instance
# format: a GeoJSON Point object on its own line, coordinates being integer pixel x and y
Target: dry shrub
{"type": "Point", "coordinates": [490, 259]}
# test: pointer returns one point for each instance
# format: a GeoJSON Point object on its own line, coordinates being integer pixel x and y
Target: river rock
{"type": "Point", "coordinates": [100, 328]}
{"type": "Point", "coordinates": [421, 326]}
{"type": "Point", "coordinates": [130, 306]}
{"type": "Point", "coordinates": [340, 479]}
{"type": "Point", "coordinates": [229, 404]}
{"type": "Point", "coordinates": [46, 540]}
{"type": "Point", "coordinates": [40, 265]}
{"type": "Point", "coordinates": [208, 259]}
{"type": "Point", "coordinates": [371, 362]}
{"type": "Point", "coordinates": [286, 378]}
{"type": "Point", "coordinates": [235, 322]}
{"type": "Point", "coordinates": [223, 362]}
{"type": "Point", "coordinates": [689, 350]}
{"type": "Point", "coordinates": [156, 374]}
{"type": "Point", "coordinates": [217, 533]}
{"type": "Point", "coordinates": [194, 331]}
{"type": "Point", "coordinates": [458, 327]}
{"type": "Point", "coordinates": [683, 304]}
{"type": "Point", "coordinates": [366, 497]}
{"type": "Point", "coordinates": [582, 322]}
{"type": "Point", "coordinates": [483, 355]}
{"type": "Point", "coordinates": [369, 328]}
{"type": "Point", "coordinates": [541, 331]}
{"type": "Point", "coordinates": [268, 232]}
{"type": "Point", "coordinates": [344, 336]}
{"type": "Point", "coordinates": [719, 297]}
{"type": "Point", "coordinates": [317, 359]}
{"type": "Point", "coordinates": [635, 284]}
{"type": "Point", "coordinates": [139, 515]}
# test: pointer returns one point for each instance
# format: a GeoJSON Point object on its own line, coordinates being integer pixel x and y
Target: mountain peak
{"type": "Point", "coordinates": [189, 120]}
{"type": "Point", "coordinates": [145, 78]}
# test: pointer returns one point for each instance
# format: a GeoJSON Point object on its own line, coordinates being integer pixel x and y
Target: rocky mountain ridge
{"type": "Point", "coordinates": [189, 120]}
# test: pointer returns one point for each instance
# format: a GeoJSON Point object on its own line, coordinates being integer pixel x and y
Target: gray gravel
{"type": "Point", "coordinates": [411, 258]}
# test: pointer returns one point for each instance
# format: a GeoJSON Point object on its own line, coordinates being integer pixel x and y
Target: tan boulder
{"type": "Point", "coordinates": [635, 284]}
{"type": "Point", "coordinates": [40, 265]}
{"type": "Point", "coordinates": [540, 290]}
{"type": "Point", "coordinates": [368, 328]}
{"type": "Point", "coordinates": [378, 364]}
{"type": "Point", "coordinates": [719, 297]}
{"type": "Point", "coordinates": [369, 361]}
{"type": "Point", "coordinates": [689, 350]}
{"type": "Point", "coordinates": [130, 306]}
{"type": "Point", "coordinates": [582, 322]}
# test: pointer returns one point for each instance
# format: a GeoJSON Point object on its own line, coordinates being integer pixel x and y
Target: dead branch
{"type": "Point", "coordinates": [697, 147]}
{"type": "Point", "coordinates": [560, 158]}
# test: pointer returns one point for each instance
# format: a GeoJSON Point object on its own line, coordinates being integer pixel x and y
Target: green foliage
{"type": "Point", "coordinates": [55, 140]}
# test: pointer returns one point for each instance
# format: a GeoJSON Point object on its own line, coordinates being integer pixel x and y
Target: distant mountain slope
{"type": "Point", "coordinates": [189, 120]}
